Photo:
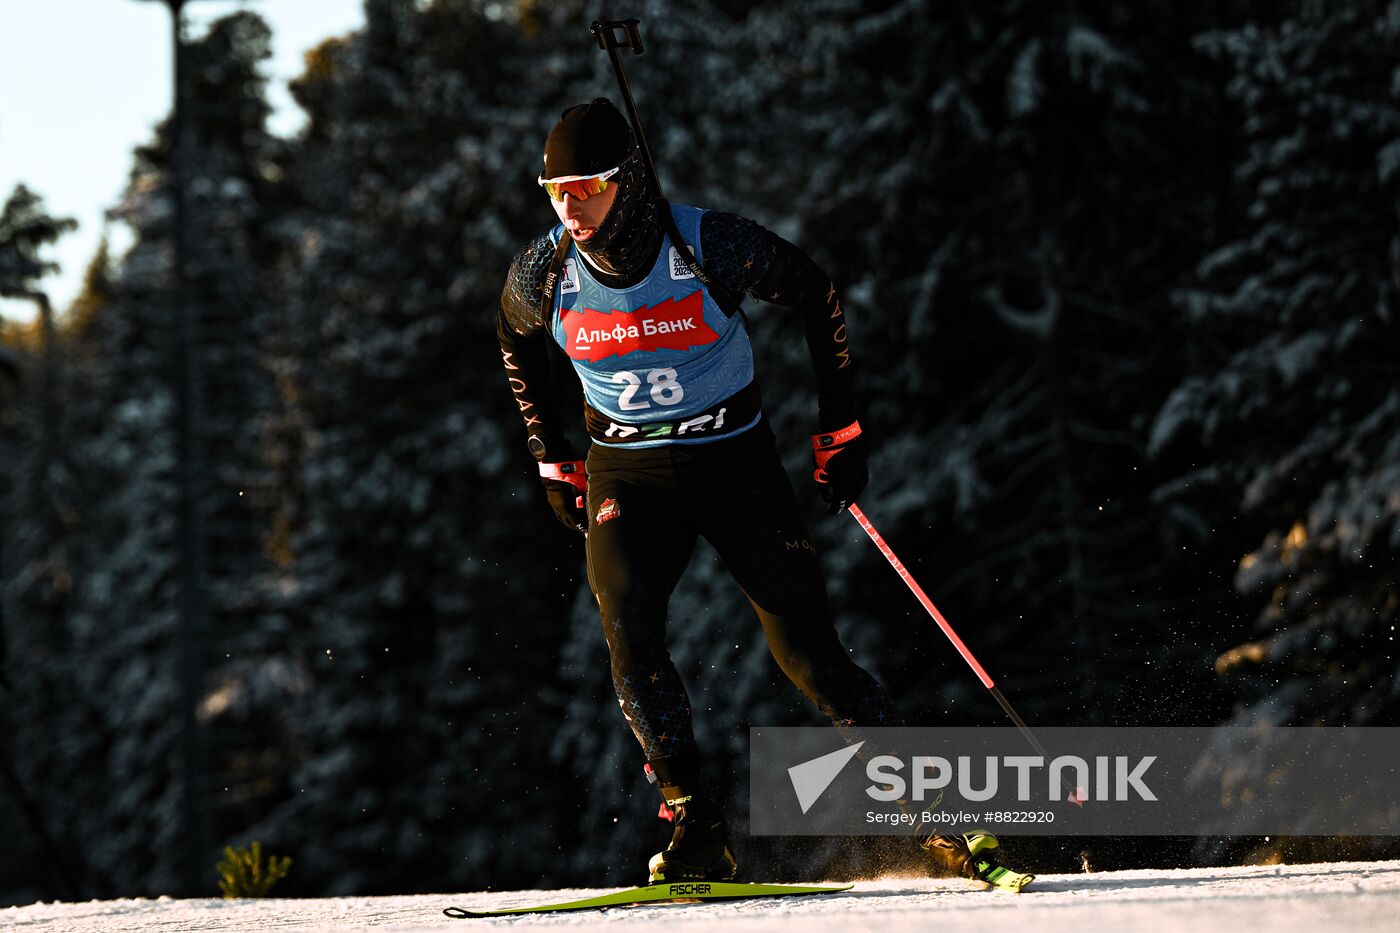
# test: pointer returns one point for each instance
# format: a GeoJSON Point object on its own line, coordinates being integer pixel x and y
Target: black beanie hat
{"type": "Point", "coordinates": [588, 139]}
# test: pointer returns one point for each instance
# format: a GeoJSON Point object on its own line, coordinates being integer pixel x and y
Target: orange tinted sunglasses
{"type": "Point", "coordinates": [581, 187]}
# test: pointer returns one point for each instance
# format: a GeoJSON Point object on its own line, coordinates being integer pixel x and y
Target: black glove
{"type": "Point", "coordinates": [566, 484]}
{"type": "Point", "coordinates": [841, 466]}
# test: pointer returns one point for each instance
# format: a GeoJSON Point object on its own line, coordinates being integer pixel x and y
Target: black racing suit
{"type": "Point", "coordinates": [655, 501]}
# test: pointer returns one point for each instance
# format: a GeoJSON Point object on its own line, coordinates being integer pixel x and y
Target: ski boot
{"type": "Point", "coordinates": [973, 857]}
{"type": "Point", "coordinates": [699, 847]}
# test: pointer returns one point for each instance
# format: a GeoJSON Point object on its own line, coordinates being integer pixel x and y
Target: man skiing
{"type": "Point", "coordinates": [643, 299]}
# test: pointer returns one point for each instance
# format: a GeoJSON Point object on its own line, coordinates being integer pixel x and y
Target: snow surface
{"type": "Point", "coordinates": [1351, 896]}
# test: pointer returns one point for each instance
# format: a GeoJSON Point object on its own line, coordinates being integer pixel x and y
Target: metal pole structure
{"type": "Point", "coordinates": [9, 777]}
{"type": "Point", "coordinates": [48, 399]}
{"type": "Point", "coordinates": [48, 373]}
{"type": "Point", "coordinates": [193, 609]}
{"type": "Point", "coordinates": [193, 601]}
{"type": "Point", "coordinates": [932, 610]}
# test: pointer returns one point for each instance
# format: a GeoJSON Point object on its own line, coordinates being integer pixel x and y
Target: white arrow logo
{"type": "Point", "coordinates": [811, 778]}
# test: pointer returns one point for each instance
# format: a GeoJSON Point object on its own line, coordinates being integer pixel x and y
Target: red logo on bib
{"type": "Point", "coordinates": [670, 325]}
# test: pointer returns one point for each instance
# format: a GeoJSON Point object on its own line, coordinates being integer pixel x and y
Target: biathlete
{"type": "Point", "coordinates": [680, 449]}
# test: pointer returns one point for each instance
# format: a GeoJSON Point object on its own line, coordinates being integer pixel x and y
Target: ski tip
{"type": "Point", "coordinates": [1005, 886]}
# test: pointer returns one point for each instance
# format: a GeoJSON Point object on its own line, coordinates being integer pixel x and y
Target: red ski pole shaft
{"type": "Point", "coordinates": [927, 603]}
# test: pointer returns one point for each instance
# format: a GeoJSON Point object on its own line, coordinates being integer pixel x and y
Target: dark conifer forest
{"type": "Point", "coordinates": [1122, 282]}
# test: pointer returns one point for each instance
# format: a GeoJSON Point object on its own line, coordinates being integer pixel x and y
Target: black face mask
{"type": "Point", "coordinates": [626, 242]}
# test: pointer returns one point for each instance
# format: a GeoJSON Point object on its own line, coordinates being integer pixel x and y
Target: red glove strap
{"type": "Point", "coordinates": [836, 438]}
{"type": "Point", "coordinates": [825, 446]}
{"type": "Point", "coordinates": [569, 471]}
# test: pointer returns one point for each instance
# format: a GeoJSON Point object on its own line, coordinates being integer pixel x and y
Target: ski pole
{"type": "Point", "coordinates": [963, 650]}
{"type": "Point", "coordinates": [606, 33]}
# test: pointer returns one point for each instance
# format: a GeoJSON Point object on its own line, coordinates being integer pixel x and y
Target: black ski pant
{"type": "Point", "coordinates": [646, 507]}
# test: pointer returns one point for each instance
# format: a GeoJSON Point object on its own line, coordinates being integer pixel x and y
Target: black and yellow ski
{"type": "Point", "coordinates": [659, 893]}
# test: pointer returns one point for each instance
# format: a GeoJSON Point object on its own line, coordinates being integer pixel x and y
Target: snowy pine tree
{"type": "Point", "coordinates": [102, 704]}
{"type": "Point", "coordinates": [1289, 411]}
